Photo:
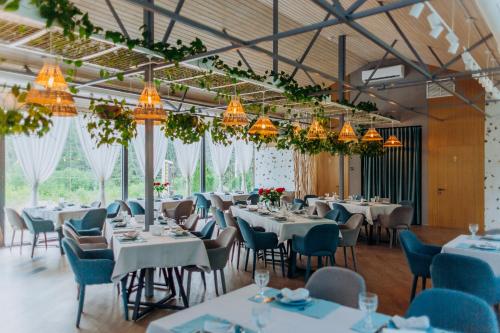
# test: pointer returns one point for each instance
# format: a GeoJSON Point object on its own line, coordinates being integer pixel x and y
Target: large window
{"type": "Point", "coordinates": [231, 180]}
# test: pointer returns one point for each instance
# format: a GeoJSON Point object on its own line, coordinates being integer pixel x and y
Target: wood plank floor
{"type": "Point", "coordinates": [39, 295]}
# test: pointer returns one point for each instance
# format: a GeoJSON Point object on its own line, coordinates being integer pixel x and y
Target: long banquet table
{"type": "Point", "coordinates": [58, 216]}
{"type": "Point", "coordinates": [237, 308]}
{"type": "Point", "coordinates": [295, 224]}
{"type": "Point", "coordinates": [370, 210]}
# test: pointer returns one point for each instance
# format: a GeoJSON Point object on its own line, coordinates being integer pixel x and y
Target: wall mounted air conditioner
{"type": "Point", "coordinates": [384, 74]}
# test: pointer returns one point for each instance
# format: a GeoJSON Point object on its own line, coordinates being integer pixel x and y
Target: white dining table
{"type": "Point", "coordinates": [295, 225]}
{"type": "Point", "coordinates": [233, 197]}
{"type": "Point", "coordinates": [237, 308]}
{"type": "Point", "coordinates": [371, 210]}
{"type": "Point", "coordinates": [58, 216]}
{"type": "Point", "coordinates": [163, 204]}
{"type": "Point", "coordinates": [464, 245]}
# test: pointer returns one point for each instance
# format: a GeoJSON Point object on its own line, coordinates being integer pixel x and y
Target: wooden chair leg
{"type": "Point", "coordinates": [35, 238]}
{"type": "Point", "coordinates": [80, 305]}
{"type": "Point", "coordinates": [12, 240]}
{"type": "Point", "coordinates": [22, 240]}
{"type": "Point", "coordinates": [215, 283]}
{"type": "Point", "coordinates": [223, 281]}
{"type": "Point", "coordinates": [354, 259]}
{"type": "Point", "coordinates": [414, 287]}
{"type": "Point", "coordinates": [345, 255]}
{"type": "Point", "coordinates": [45, 238]}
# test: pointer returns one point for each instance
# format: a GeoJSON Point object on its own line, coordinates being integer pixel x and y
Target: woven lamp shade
{"type": "Point", "coordinates": [393, 142]}
{"type": "Point", "coordinates": [296, 128]}
{"type": "Point", "coordinates": [59, 102]}
{"type": "Point", "coordinates": [316, 131]}
{"type": "Point", "coordinates": [263, 127]}
{"type": "Point", "coordinates": [150, 106]}
{"type": "Point", "coordinates": [235, 114]}
{"type": "Point", "coordinates": [51, 77]}
{"type": "Point", "coordinates": [371, 135]}
{"type": "Point", "coordinates": [347, 133]}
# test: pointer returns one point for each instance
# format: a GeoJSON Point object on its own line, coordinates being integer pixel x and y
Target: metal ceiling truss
{"type": "Point", "coordinates": [171, 24]}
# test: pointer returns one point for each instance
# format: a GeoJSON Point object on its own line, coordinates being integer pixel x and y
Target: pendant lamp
{"type": "Point", "coordinates": [347, 133]}
{"type": "Point", "coordinates": [263, 127]}
{"type": "Point", "coordinates": [235, 114]}
{"type": "Point", "coordinates": [316, 131]}
{"type": "Point", "coordinates": [371, 135]}
{"type": "Point", "coordinates": [393, 142]}
{"type": "Point", "coordinates": [150, 106]}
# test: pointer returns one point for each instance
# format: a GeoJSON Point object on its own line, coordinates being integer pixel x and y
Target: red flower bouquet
{"type": "Point", "coordinates": [160, 187]}
{"type": "Point", "coordinates": [271, 195]}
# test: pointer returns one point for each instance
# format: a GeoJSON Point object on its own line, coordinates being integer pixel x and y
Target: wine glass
{"type": "Point", "coordinates": [473, 228]}
{"type": "Point", "coordinates": [249, 202]}
{"type": "Point", "coordinates": [261, 280]}
{"type": "Point", "coordinates": [368, 303]}
{"type": "Point", "coordinates": [261, 315]}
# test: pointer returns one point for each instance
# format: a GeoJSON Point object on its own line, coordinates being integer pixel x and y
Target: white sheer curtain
{"type": "Point", "coordinates": [221, 156]}
{"type": "Point", "coordinates": [187, 158]}
{"type": "Point", "coordinates": [102, 160]}
{"type": "Point", "coordinates": [243, 160]}
{"type": "Point", "coordinates": [160, 148]}
{"type": "Point", "coordinates": [39, 157]}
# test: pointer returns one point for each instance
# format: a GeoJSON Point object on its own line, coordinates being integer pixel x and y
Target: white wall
{"type": "Point", "coordinates": [274, 168]}
{"type": "Point", "coordinates": [492, 167]}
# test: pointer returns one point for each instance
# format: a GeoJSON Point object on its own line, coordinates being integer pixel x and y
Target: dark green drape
{"type": "Point", "coordinates": [397, 174]}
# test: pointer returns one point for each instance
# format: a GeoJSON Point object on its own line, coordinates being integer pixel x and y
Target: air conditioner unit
{"type": "Point", "coordinates": [384, 74]}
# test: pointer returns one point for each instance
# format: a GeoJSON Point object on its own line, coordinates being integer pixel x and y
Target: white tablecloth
{"type": "Point", "coordinates": [236, 307]}
{"type": "Point", "coordinates": [58, 216]}
{"type": "Point", "coordinates": [164, 204]}
{"type": "Point", "coordinates": [233, 197]}
{"type": "Point", "coordinates": [370, 211]}
{"type": "Point", "coordinates": [157, 251]}
{"type": "Point", "coordinates": [296, 224]}
{"type": "Point", "coordinates": [491, 257]}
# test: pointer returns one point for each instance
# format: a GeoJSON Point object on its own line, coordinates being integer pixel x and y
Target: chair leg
{"type": "Point", "coordinates": [391, 236]}
{"type": "Point", "coordinates": [131, 285]}
{"type": "Point", "coordinates": [12, 240]}
{"type": "Point", "coordinates": [232, 252]}
{"type": "Point", "coordinates": [223, 281]}
{"type": "Point", "coordinates": [424, 281]}
{"type": "Point", "coordinates": [188, 292]}
{"type": "Point", "coordinates": [138, 295]}
{"type": "Point", "coordinates": [265, 258]}
{"type": "Point", "coordinates": [246, 261]}
{"type": "Point", "coordinates": [272, 258]}
{"type": "Point", "coordinates": [125, 296]}
{"type": "Point", "coordinates": [320, 262]}
{"type": "Point", "coordinates": [354, 259]}
{"type": "Point", "coordinates": [204, 280]}
{"type": "Point", "coordinates": [282, 249]}
{"type": "Point", "coordinates": [35, 239]}
{"type": "Point", "coordinates": [80, 304]}
{"type": "Point", "coordinates": [22, 240]}
{"type": "Point", "coordinates": [215, 283]}
{"type": "Point", "coordinates": [60, 236]}
{"type": "Point", "coordinates": [254, 263]}
{"type": "Point", "coordinates": [345, 256]}
{"type": "Point", "coordinates": [308, 268]}
{"type": "Point", "coordinates": [332, 259]}
{"type": "Point", "coordinates": [45, 238]}
{"type": "Point", "coordinates": [238, 257]}
{"type": "Point", "coordinates": [414, 287]}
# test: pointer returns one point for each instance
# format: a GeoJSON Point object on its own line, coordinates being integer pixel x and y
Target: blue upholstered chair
{"type": "Point", "coordinates": [202, 204]}
{"type": "Point", "coordinates": [298, 204]}
{"type": "Point", "coordinates": [112, 210]}
{"type": "Point", "coordinates": [206, 232]}
{"type": "Point", "coordinates": [219, 219]}
{"type": "Point", "coordinates": [320, 241]}
{"type": "Point", "coordinates": [419, 257]}
{"type": "Point", "coordinates": [177, 197]}
{"type": "Point", "coordinates": [339, 214]}
{"type": "Point", "coordinates": [91, 224]}
{"type": "Point", "coordinates": [254, 198]}
{"type": "Point", "coordinates": [260, 241]}
{"type": "Point", "coordinates": [91, 267]}
{"type": "Point", "coordinates": [37, 226]}
{"type": "Point", "coordinates": [307, 196]}
{"type": "Point", "coordinates": [467, 274]}
{"type": "Point", "coordinates": [454, 311]}
{"type": "Point", "coordinates": [136, 208]}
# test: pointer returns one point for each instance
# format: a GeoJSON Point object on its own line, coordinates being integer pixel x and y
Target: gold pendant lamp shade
{"type": "Point", "coordinates": [393, 142]}
{"type": "Point", "coordinates": [371, 135]}
{"type": "Point", "coordinates": [51, 77]}
{"type": "Point", "coordinates": [150, 107]}
{"type": "Point", "coordinates": [235, 114]}
{"type": "Point", "coordinates": [296, 128]}
{"type": "Point", "coordinates": [263, 127]}
{"type": "Point", "coordinates": [59, 103]}
{"type": "Point", "coordinates": [316, 131]}
{"type": "Point", "coordinates": [347, 133]}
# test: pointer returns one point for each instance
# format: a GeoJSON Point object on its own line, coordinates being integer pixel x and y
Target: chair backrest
{"type": "Point", "coordinates": [15, 220]}
{"type": "Point", "coordinates": [322, 208]}
{"type": "Point", "coordinates": [287, 199]}
{"type": "Point", "coordinates": [124, 207]}
{"type": "Point", "coordinates": [217, 201]}
{"type": "Point", "coordinates": [454, 311]}
{"type": "Point", "coordinates": [28, 219]}
{"type": "Point", "coordinates": [307, 196]}
{"type": "Point", "coordinates": [191, 222]}
{"type": "Point", "coordinates": [332, 214]}
{"type": "Point", "coordinates": [136, 208]}
{"type": "Point", "coordinates": [298, 203]}
{"type": "Point", "coordinates": [322, 238]}
{"type": "Point", "coordinates": [342, 213]}
{"type": "Point", "coordinates": [408, 203]}
{"type": "Point", "coordinates": [201, 201]}
{"type": "Point", "coordinates": [94, 218]}
{"type": "Point", "coordinates": [350, 230]}
{"type": "Point", "coordinates": [231, 222]}
{"type": "Point", "coordinates": [208, 229]}
{"type": "Point", "coordinates": [412, 247]}
{"type": "Point", "coordinates": [247, 232]}
{"type": "Point", "coordinates": [96, 204]}
{"type": "Point", "coordinates": [113, 209]}
{"type": "Point", "coordinates": [183, 209]}
{"type": "Point", "coordinates": [464, 273]}
{"type": "Point", "coordinates": [68, 232]}
{"type": "Point", "coordinates": [336, 284]}
{"type": "Point", "coordinates": [219, 255]}
{"type": "Point", "coordinates": [254, 198]}
{"type": "Point", "coordinates": [219, 218]}
{"type": "Point", "coordinates": [401, 216]}
{"type": "Point", "coordinates": [75, 254]}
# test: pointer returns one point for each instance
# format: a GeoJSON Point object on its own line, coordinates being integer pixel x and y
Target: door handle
{"type": "Point", "coordinates": [441, 189]}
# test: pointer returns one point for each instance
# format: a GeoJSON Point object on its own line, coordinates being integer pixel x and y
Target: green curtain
{"type": "Point", "coordinates": [397, 174]}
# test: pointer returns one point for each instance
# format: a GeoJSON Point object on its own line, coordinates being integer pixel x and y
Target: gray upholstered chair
{"type": "Point", "coordinates": [399, 219]}
{"type": "Point", "coordinates": [217, 202]}
{"type": "Point", "coordinates": [124, 207]}
{"type": "Point", "coordinates": [322, 208]}
{"type": "Point", "coordinates": [191, 222]}
{"type": "Point", "coordinates": [238, 241]}
{"type": "Point", "coordinates": [218, 254]}
{"type": "Point", "coordinates": [350, 232]}
{"type": "Point", "coordinates": [181, 212]}
{"type": "Point", "coordinates": [17, 224]}
{"type": "Point", "coordinates": [339, 285]}
{"type": "Point", "coordinates": [85, 242]}
{"type": "Point", "coordinates": [286, 199]}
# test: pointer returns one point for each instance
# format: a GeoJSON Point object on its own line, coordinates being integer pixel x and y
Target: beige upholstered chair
{"type": "Point", "coordinates": [399, 219]}
{"type": "Point", "coordinates": [350, 232]}
{"type": "Point", "coordinates": [86, 242]}
{"type": "Point", "coordinates": [191, 222]}
{"type": "Point", "coordinates": [17, 224]}
{"type": "Point", "coordinates": [124, 207]}
{"type": "Point", "coordinates": [238, 242]}
{"type": "Point", "coordinates": [286, 199]}
{"type": "Point", "coordinates": [217, 202]}
{"type": "Point", "coordinates": [181, 211]}
{"type": "Point", "coordinates": [322, 208]}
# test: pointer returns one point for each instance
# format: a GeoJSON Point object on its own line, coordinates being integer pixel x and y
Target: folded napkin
{"type": "Point", "coordinates": [295, 295]}
{"type": "Point", "coordinates": [415, 323]}
{"type": "Point", "coordinates": [214, 326]}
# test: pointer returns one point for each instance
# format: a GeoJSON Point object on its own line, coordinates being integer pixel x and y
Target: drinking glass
{"type": "Point", "coordinates": [368, 303]}
{"type": "Point", "coordinates": [261, 280]}
{"type": "Point", "coordinates": [261, 315]}
{"type": "Point", "coordinates": [473, 228]}
{"type": "Point", "coordinates": [249, 202]}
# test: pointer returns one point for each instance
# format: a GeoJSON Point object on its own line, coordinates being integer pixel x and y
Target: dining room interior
{"type": "Point", "coordinates": [184, 166]}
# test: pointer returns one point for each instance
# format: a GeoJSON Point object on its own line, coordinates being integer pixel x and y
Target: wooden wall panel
{"type": "Point", "coordinates": [456, 160]}
{"type": "Point", "coordinates": [328, 174]}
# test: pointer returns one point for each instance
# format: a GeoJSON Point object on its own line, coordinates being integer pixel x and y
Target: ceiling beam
{"type": "Point", "coordinates": [117, 18]}
{"type": "Point", "coordinates": [276, 14]}
{"type": "Point", "coordinates": [355, 6]}
{"type": "Point", "coordinates": [171, 24]}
